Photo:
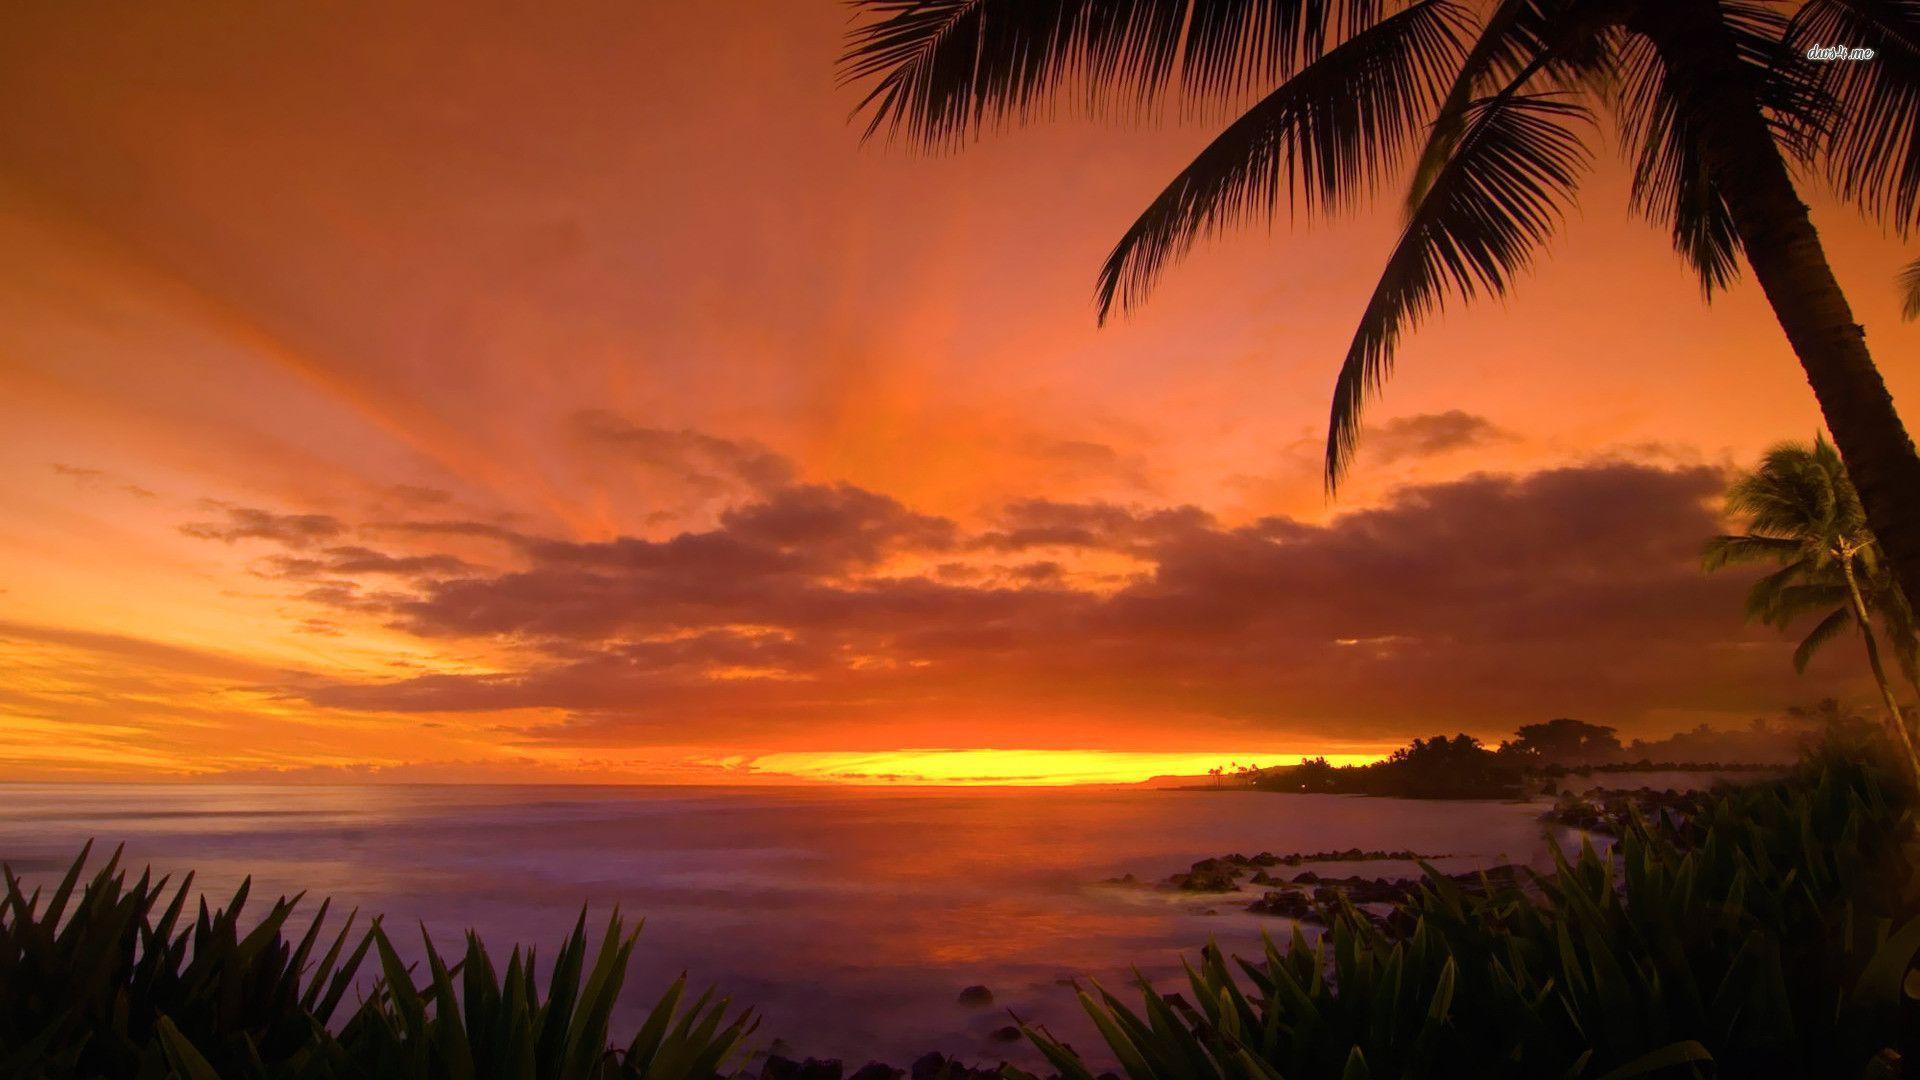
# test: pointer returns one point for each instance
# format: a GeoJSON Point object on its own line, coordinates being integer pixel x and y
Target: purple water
{"type": "Point", "coordinates": [850, 918]}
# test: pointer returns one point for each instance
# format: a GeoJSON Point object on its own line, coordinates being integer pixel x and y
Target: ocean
{"type": "Point", "coordinates": [849, 918]}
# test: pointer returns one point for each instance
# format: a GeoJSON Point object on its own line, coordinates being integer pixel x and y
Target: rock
{"type": "Point", "coordinates": [932, 1066]}
{"type": "Point", "coordinates": [1005, 1034]}
{"type": "Point", "coordinates": [1305, 877]}
{"type": "Point", "coordinates": [1261, 877]}
{"type": "Point", "coordinates": [1207, 875]}
{"type": "Point", "coordinates": [1288, 904]}
{"type": "Point", "coordinates": [976, 995]}
{"type": "Point", "coordinates": [876, 1070]}
{"type": "Point", "coordinates": [785, 1068]}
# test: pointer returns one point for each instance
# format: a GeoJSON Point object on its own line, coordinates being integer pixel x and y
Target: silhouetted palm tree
{"type": "Point", "coordinates": [1802, 512]}
{"type": "Point", "coordinates": [1494, 100]}
{"type": "Point", "coordinates": [1910, 291]}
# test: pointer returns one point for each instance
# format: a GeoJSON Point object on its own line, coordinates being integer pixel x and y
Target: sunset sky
{"type": "Point", "coordinates": [480, 392]}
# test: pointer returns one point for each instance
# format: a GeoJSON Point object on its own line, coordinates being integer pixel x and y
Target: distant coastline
{"type": "Point", "coordinates": [1538, 760]}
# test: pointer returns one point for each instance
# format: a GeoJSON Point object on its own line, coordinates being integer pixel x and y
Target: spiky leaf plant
{"type": "Point", "coordinates": [104, 979]}
{"type": "Point", "coordinates": [96, 982]}
{"type": "Point", "coordinates": [1769, 936]}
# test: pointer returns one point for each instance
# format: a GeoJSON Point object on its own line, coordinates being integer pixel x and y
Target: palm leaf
{"type": "Point", "coordinates": [1909, 282]}
{"type": "Point", "coordinates": [1665, 111]}
{"type": "Point", "coordinates": [1322, 138]}
{"type": "Point", "coordinates": [1671, 181]}
{"type": "Point", "coordinates": [1873, 143]}
{"type": "Point", "coordinates": [1499, 51]}
{"type": "Point", "coordinates": [1495, 201]}
{"type": "Point", "coordinates": [940, 71]}
{"type": "Point", "coordinates": [1565, 38]}
{"type": "Point", "coordinates": [1836, 623]}
{"type": "Point", "coordinates": [1724, 551]}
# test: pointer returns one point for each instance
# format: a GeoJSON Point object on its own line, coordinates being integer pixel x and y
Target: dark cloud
{"type": "Point", "coordinates": [1081, 460]}
{"type": "Point", "coordinates": [708, 463]}
{"type": "Point", "coordinates": [775, 560]}
{"type": "Point", "coordinates": [1481, 603]}
{"type": "Point", "coordinates": [1042, 523]}
{"type": "Point", "coordinates": [246, 522]}
{"type": "Point", "coordinates": [414, 495]}
{"type": "Point", "coordinates": [1427, 434]}
{"type": "Point", "coordinates": [99, 478]}
{"type": "Point", "coordinates": [480, 530]}
{"type": "Point", "coordinates": [350, 560]}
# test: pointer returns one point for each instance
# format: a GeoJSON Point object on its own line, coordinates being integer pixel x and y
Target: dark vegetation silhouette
{"type": "Point", "coordinates": [1802, 514]}
{"type": "Point", "coordinates": [1540, 754]}
{"type": "Point", "coordinates": [110, 977]}
{"type": "Point", "coordinates": [1765, 933]}
{"type": "Point", "coordinates": [1435, 768]}
{"type": "Point", "coordinates": [1484, 114]}
{"type": "Point", "coordinates": [1564, 742]}
{"type": "Point", "coordinates": [1768, 933]}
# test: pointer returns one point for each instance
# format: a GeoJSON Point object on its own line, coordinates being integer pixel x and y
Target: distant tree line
{"type": "Point", "coordinates": [1462, 767]}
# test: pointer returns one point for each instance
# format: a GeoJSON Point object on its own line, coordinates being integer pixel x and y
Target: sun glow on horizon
{"type": "Point", "coordinates": [986, 767]}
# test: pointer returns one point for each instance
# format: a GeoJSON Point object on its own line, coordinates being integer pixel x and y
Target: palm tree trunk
{"type": "Point", "coordinates": [1791, 266]}
{"type": "Point", "coordinates": [1858, 605]}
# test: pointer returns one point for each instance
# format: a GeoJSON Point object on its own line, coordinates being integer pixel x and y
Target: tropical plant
{"type": "Point", "coordinates": [1909, 282]}
{"type": "Point", "coordinates": [1493, 103]}
{"type": "Point", "coordinates": [1802, 513]}
{"type": "Point", "coordinates": [1768, 936]}
{"type": "Point", "coordinates": [497, 1027]}
{"type": "Point", "coordinates": [109, 982]}
{"type": "Point", "coordinates": [95, 983]}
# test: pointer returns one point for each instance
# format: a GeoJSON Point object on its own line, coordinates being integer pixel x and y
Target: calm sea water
{"type": "Point", "coordinates": [850, 918]}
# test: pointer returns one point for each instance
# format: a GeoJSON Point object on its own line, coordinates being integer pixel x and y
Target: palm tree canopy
{"type": "Point", "coordinates": [1802, 513]}
{"type": "Point", "coordinates": [1799, 503]}
{"type": "Point", "coordinates": [1483, 109]}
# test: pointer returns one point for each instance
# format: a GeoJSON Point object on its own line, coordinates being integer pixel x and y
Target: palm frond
{"type": "Point", "coordinates": [1823, 593]}
{"type": "Point", "coordinates": [1765, 600]}
{"type": "Point", "coordinates": [1873, 144]}
{"type": "Point", "coordinates": [1499, 50]}
{"type": "Point", "coordinates": [1800, 490]}
{"type": "Point", "coordinates": [1664, 110]}
{"type": "Point", "coordinates": [1495, 201]}
{"type": "Point", "coordinates": [941, 71]}
{"type": "Point", "coordinates": [1563, 37]}
{"type": "Point", "coordinates": [1322, 138]}
{"type": "Point", "coordinates": [1829, 628]}
{"type": "Point", "coordinates": [1671, 181]}
{"type": "Point", "coordinates": [1909, 283]}
{"type": "Point", "coordinates": [1727, 550]}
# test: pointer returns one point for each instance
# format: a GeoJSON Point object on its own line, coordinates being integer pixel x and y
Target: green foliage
{"type": "Point", "coordinates": [1768, 936]}
{"type": "Point", "coordinates": [101, 982]}
{"type": "Point", "coordinates": [493, 1027]}
{"type": "Point", "coordinates": [1803, 514]}
{"type": "Point", "coordinates": [107, 982]}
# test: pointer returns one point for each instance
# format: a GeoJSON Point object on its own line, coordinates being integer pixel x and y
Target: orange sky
{"type": "Point", "coordinates": [489, 393]}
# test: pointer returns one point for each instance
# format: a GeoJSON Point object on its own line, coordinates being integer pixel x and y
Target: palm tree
{"type": "Point", "coordinates": [1909, 281]}
{"type": "Point", "coordinates": [1802, 512]}
{"type": "Point", "coordinates": [1493, 102]}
